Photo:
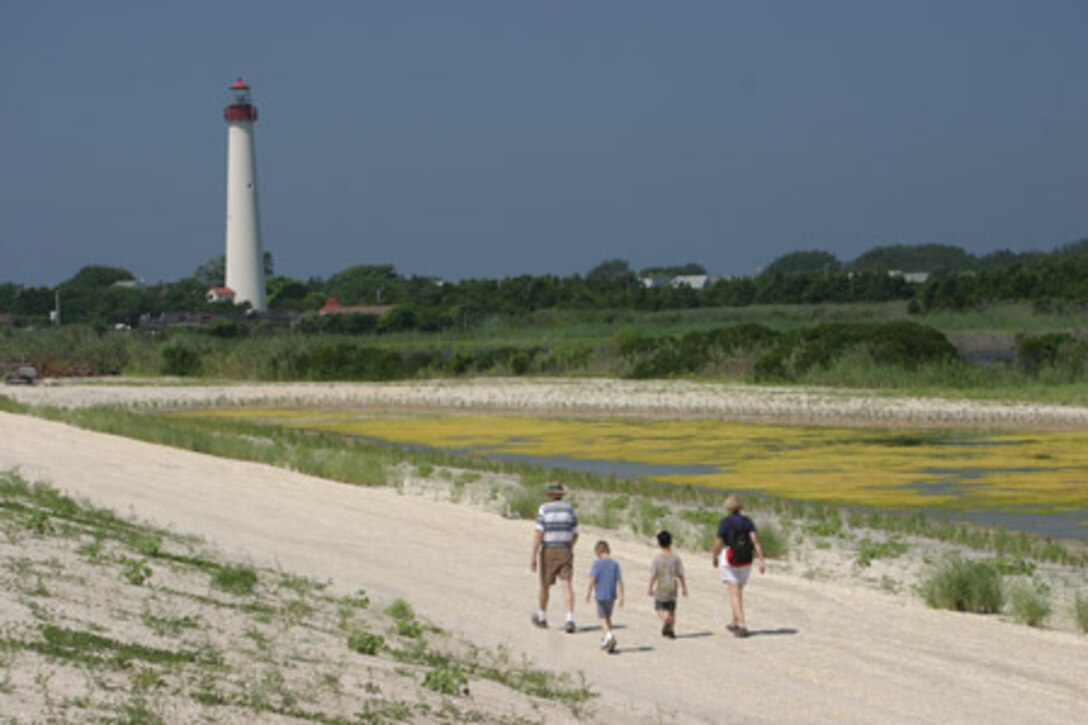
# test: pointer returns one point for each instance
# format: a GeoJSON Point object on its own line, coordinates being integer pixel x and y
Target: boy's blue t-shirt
{"type": "Point", "coordinates": [606, 572]}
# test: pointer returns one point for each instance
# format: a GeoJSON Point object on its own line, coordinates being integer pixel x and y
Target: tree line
{"type": "Point", "coordinates": [957, 280]}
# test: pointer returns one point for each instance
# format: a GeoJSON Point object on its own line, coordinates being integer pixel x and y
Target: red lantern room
{"type": "Point", "coordinates": [240, 108]}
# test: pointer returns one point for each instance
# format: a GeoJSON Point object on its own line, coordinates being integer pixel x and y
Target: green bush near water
{"type": "Point", "coordinates": [964, 585]}
{"type": "Point", "coordinates": [1030, 603]}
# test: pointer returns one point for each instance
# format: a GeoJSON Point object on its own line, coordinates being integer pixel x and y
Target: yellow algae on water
{"type": "Point", "coordinates": [1040, 472]}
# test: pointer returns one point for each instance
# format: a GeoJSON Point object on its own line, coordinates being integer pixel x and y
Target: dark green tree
{"type": "Point", "coordinates": [806, 262]}
{"type": "Point", "coordinates": [915, 258]}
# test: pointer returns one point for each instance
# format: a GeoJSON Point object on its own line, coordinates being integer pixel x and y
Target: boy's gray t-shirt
{"type": "Point", "coordinates": [667, 568]}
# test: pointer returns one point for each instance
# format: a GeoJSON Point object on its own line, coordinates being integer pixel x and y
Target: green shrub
{"type": "Point", "coordinates": [1030, 604]}
{"type": "Point", "coordinates": [901, 344]}
{"type": "Point", "coordinates": [1080, 613]}
{"type": "Point", "coordinates": [774, 543]}
{"type": "Point", "coordinates": [964, 586]}
{"type": "Point", "coordinates": [180, 359]}
{"type": "Point", "coordinates": [409, 628]}
{"type": "Point", "coordinates": [359, 599]}
{"type": "Point", "coordinates": [446, 680]}
{"type": "Point", "coordinates": [365, 642]}
{"type": "Point", "coordinates": [1033, 353]}
{"type": "Point", "coordinates": [135, 571]}
{"type": "Point", "coordinates": [695, 352]}
{"type": "Point", "coordinates": [239, 580]}
{"type": "Point", "coordinates": [523, 502]}
{"type": "Point", "coordinates": [400, 610]}
{"type": "Point", "coordinates": [148, 544]}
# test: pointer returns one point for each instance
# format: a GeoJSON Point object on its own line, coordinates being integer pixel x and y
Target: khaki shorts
{"type": "Point", "coordinates": [556, 562]}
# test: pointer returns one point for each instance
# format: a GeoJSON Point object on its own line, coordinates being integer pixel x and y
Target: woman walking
{"type": "Point", "coordinates": [737, 536]}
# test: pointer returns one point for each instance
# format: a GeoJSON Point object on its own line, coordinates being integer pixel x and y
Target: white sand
{"type": "Point", "coordinates": [822, 651]}
{"type": "Point", "coordinates": [576, 395]}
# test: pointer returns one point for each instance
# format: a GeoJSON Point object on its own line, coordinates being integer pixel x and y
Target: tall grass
{"type": "Point", "coordinates": [964, 585]}
{"type": "Point", "coordinates": [1080, 612]}
{"type": "Point", "coordinates": [1030, 603]}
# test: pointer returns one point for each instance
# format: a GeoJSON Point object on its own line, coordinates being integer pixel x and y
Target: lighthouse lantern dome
{"type": "Point", "coordinates": [241, 108]}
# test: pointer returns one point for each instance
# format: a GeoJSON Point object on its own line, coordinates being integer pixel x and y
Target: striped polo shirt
{"type": "Point", "coordinates": [558, 522]}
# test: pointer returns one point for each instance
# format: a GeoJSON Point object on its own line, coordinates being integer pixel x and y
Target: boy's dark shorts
{"type": "Point", "coordinates": [668, 605]}
{"type": "Point", "coordinates": [556, 562]}
{"type": "Point", "coordinates": [604, 608]}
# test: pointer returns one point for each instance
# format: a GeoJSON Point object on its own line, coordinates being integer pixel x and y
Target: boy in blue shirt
{"type": "Point", "coordinates": [605, 577]}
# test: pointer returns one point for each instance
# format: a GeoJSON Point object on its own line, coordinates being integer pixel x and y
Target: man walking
{"type": "Point", "coordinates": [555, 535]}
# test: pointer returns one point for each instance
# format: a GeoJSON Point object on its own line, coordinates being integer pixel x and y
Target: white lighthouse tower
{"type": "Point", "coordinates": [245, 258]}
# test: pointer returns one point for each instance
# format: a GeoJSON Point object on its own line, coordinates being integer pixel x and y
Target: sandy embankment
{"type": "Point", "coordinates": [824, 651]}
{"type": "Point", "coordinates": [598, 396]}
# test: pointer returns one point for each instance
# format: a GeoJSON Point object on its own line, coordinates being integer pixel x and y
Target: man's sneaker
{"type": "Point", "coordinates": [569, 627]}
{"type": "Point", "coordinates": [540, 621]}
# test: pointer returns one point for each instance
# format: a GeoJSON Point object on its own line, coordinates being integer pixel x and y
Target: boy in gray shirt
{"type": "Point", "coordinates": [666, 577]}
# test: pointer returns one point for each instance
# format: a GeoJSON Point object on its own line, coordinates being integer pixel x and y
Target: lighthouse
{"type": "Point", "coordinates": [244, 257]}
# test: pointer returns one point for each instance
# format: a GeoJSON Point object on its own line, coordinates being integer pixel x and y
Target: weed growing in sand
{"type": "Point", "coordinates": [1080, 612]}
{"type": "Point", "coordinates": [167, 626]}
{"type": "Point", "coordinates": [238, 580]}
{"type": "Point", "coordinates": [1030, 603]}
{"type": "Point", "coordinates": [869, 551]}
{"type": "Point", "coordinates": [135, 571]}
{"type": "Point", "coordinates": [301, 585]}
{"type": "Point", "coordinates": [964, 585]}
{"type": "Point", "coordinates": [365, 642]}
{"type": "Point", "coordinates": [404, 619]}
{"type": "Point", "coordinates": [448, 681]}
{"type": "Point", "coordinates": [94, 650]}
{"type": "Point", "coordinates": [147, 544]}
{"type": "Point", "coordinates": [649, 516]}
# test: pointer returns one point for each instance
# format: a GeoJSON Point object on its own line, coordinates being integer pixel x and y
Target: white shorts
{"type": "Point", "coordinates": [735, 574]}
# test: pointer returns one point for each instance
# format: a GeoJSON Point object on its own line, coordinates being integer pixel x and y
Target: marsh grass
{"type": "Point", "coordinates": [775, 542]}
{"type": "Point", "coordinates": [964, 585]}
{"type": "Point", "coordinates": [1080, 612]}
{"type": "Point", "coordinates": [1030, 603]}
{"type": "Point", "coordinates": [869, 551]}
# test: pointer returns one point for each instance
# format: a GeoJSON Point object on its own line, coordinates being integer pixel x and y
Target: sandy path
{"type": "Point", "coordinates": [825, 652]}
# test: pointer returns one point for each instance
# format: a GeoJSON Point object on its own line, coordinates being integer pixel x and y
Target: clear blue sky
{"type": "Point", "coordinates": [488, 139]}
